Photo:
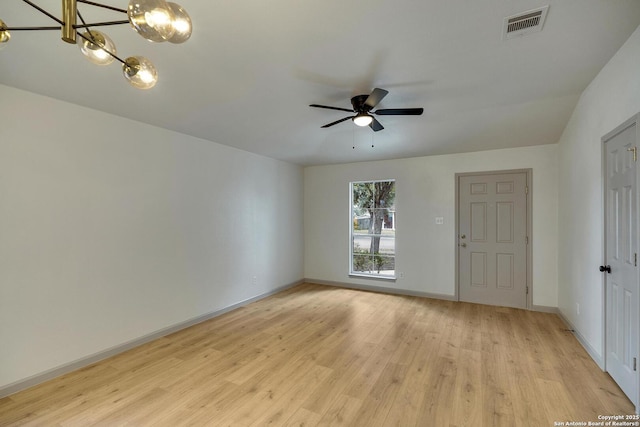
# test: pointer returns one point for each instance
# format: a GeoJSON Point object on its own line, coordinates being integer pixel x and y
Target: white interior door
{"type": "Point", "coordinates": [621, 255]}
{"type": "Point", "coordinates": [492, 239]}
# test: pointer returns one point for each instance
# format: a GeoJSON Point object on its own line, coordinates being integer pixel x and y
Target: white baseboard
{"type": "Point", "coordinates": [581, 339]}
{"type": "Point", "coordinates": [545, 309]}
{"type": "Point", "coordinates": [88, 360]}
{"type": "Point", "coordinates": [540, 308]}
{"type": "Point", "coordinates": [382, 289]}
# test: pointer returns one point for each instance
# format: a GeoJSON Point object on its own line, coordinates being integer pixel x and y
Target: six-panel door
{"type": "Point", "coordinates": [493, 239]}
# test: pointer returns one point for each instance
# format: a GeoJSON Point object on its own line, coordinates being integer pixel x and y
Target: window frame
{"type": "Point", "coordinates": [372, 275]}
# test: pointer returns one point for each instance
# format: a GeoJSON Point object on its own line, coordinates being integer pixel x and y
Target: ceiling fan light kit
{"type": "Point", "coordinates": [155, 20]}
{"type": "Point", "coordinates": [362, 119]}
{"type": "Point", "coordinates": [363, 106]}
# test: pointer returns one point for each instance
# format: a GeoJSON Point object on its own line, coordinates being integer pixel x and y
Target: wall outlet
{"type": "Point", "coordinates": [578, 308]}
{"type": "Point", "coordinates": [401, 275]}
{"type": "Point", "coordinates": [439, 220]}
{"type": "Point", "coordinates": [254, 280]}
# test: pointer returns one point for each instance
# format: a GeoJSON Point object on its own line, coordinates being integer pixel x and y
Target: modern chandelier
{"type": "Point", "coordinates": [155, 20]}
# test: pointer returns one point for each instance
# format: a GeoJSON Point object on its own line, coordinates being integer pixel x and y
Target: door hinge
{"type": "Point", "coordinates": [526, 240]}
{"type": "Point", "coordinates": [526, 189]}
{"type": "Point", "coordinates": [634, 364]}
{"type": "Point", "coordinates": [635, 259]}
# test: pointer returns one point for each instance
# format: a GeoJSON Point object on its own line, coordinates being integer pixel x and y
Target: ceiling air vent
{"type": "Point", "coordinates": [524, 23]}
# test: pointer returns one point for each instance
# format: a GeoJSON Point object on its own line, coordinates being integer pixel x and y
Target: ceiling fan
{"type": "Point", "coordinates": [362, 106]}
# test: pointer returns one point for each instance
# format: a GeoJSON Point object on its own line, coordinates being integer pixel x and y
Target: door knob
{"type": "Point", "coordinates": [606, 268]}
{"type": "Point", "coordinates": [462, 236]}
{"type": "Point", "coordinates": [464, 245]}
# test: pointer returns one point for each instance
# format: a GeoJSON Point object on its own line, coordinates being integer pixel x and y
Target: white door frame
{"type": "Point", "coordinates": [529, 198]}
{"type": "Point", "coordinates": [635, 119]}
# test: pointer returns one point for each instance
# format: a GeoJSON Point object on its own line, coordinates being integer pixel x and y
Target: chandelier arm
{"type": "Point", "coordinates": [41, 10]}
{"type": "Point", "coordinates": [100, 24]}
{"type": "Point", "coordinates": [29, 28]}
{"type": "Point", "coordinates": [102, 5]}
{"type": "Point", "coordinates": [96, 24]}
{"type": "Point", "coordinates": [83, 22]}
{"type": "Point", "coordinates": [110, 54]}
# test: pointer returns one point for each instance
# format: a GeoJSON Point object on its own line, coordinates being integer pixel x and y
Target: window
{"type": "Point", "coordinates": [373, 229]}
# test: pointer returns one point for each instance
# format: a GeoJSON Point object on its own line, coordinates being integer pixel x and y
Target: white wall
{"type": "Point", "coordinates": [612, 98]}
{"type": "Point", "coordinates": [425, 189]}
{"type": "Point", "coordinates": [111, 229]}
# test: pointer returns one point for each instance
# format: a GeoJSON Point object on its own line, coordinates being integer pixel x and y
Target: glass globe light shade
{"type": "Point", "coordinates": [5, 35]}
{"type": "Point", "coordinates": [152, 19]}
{"type": "Point", "coordinates": [96, 49]}
{"type": "Point", "coordinates": [362, 119]}
{"type": "Point", "coordinates": [181, 24]}
{"type": "Point", "coordinates": [140, 72]}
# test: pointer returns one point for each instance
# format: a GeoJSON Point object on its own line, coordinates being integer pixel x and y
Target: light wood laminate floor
{"type": "Point", "coordinates": [316, 355]}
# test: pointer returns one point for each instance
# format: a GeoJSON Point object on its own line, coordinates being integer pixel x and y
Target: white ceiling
{"type": "Point", "coordinates": [251, 69]}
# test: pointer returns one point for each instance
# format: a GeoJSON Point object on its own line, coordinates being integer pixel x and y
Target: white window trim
{"type": "Point", "coordinates": [362, 274]}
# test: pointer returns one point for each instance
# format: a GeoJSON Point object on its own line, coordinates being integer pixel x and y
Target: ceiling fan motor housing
{"type": "Point", "coordinates": [359, 105]}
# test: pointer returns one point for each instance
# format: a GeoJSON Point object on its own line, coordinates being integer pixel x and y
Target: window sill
{"type": "Point", "coordinates": [373, 276]}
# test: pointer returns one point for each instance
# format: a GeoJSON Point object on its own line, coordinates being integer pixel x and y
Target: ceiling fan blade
{"type": "Point", "coordinates": [337, 121]}
{"type": "Point", "coordinates": [375, 125]}
{"type": "Point", "coordinates": [399, 112]}
{"type": "Point", "coordinates": [330, 108]}
{"type": "Point", "coordinates": [375, 97]}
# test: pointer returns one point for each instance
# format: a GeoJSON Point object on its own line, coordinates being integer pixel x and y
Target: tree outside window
{"type": "Point", "coordinates": [373, 228]}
